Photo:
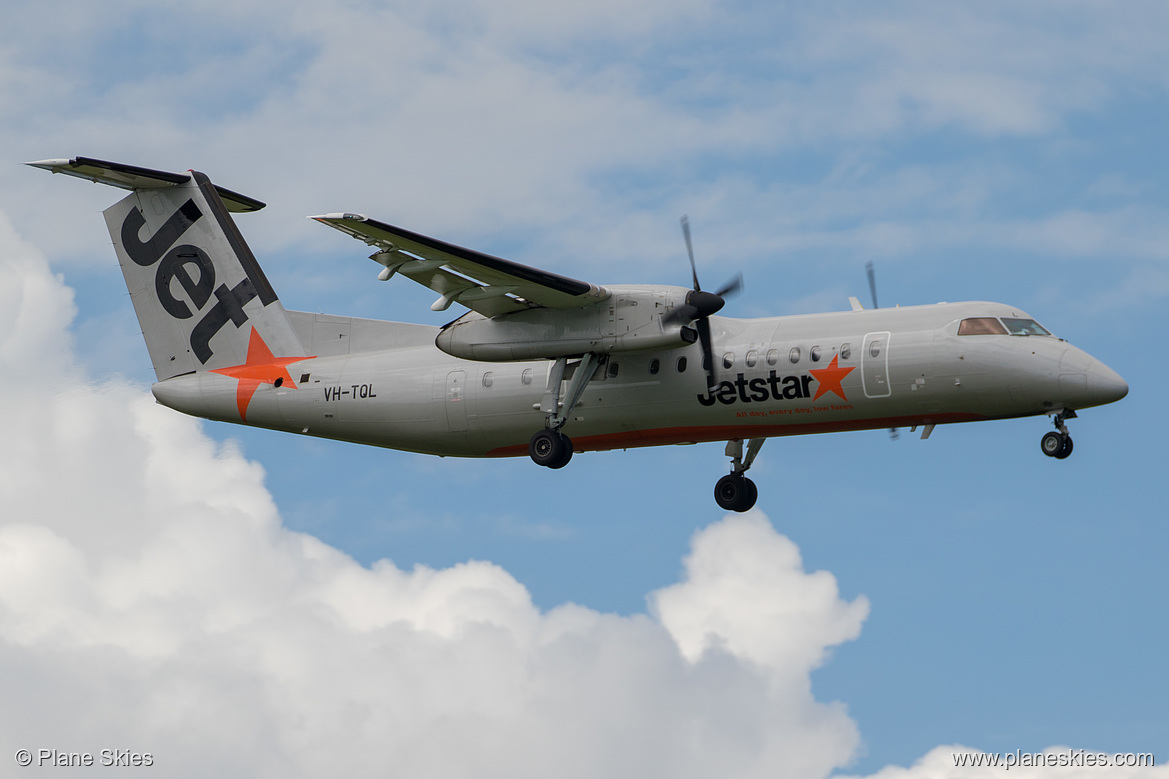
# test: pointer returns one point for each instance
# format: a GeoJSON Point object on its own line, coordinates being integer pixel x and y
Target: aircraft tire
{"type": "Point", "coordinates": [550, 448]}
{"type": "Point", "coordinates": [752, 495]}
{"type": "Point", "coordinates": [735, 493]}
{"type": "Point", "coordinates": [1053, 444]}
{"type": "Point", "coordinates": [1066, 451]}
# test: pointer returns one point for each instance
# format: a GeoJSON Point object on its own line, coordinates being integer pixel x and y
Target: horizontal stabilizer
{"type": "Point", "coordinates": [131, 177]}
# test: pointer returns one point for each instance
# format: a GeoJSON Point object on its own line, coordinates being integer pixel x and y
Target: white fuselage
{"type": "Point", "coordinates": [387, 384]}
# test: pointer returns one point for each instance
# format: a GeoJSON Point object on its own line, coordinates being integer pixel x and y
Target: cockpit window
{"type": "Point", "coordinates": [1024, 327]}
{"type": "Point", "coordinates": [981, 325]}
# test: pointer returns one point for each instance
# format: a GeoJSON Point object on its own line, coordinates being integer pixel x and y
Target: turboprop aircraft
{"type": "Point", "coordinates": [545, 365]}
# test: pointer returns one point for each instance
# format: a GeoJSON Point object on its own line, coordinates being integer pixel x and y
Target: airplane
{"type": "Point", "coordinates": [545, 365]}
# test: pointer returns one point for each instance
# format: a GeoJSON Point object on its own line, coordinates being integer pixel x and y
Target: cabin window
{"type": "Point", "coordinates": [875, 349]}
{"type": "Point", "coordinates": [655, 365]}
{"type": "Point", "coordinates": [794, 355]}
{"type": "Point", "coordinates": [613, 367]}
{"type": "Point", "coordinates": [681, 365]}
{"type": "Point", "coordinates": [772, 356]}
{"type": "Point", "coordinates": [488, 378]}
{"type": "Point", "coordinates": [526, 376]}
{"type": "Point", "coordinates": [845, 351]}
{"type": "Point", "coordinates": [815, 354]}
{"type": "Point", "coordinates": [728, 359]}
{"type": "Point", "coordinates": [752, 358]}
{"type": "Point", "coordinates": [981, 325]}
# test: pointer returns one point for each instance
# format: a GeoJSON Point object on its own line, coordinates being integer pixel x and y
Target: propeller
{"type": "Point", "coordinates": [872, 281]}
{"type": "Point", "coordinates": [700, 306]}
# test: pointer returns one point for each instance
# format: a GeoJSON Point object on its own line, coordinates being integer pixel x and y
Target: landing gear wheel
{"type": "Point", "coordinates": [1055, 444]}
{"type": "Point", "coordinates": [550, 448]}
{"type": "Point", "coordinates": [735, 492]}
{"type": "Point", "coordinates": [753, 496]}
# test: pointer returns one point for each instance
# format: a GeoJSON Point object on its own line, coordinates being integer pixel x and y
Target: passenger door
{"type": "Point", "coordinates": [875, 365]}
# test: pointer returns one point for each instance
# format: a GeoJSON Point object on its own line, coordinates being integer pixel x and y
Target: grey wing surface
{"type": "Point", "coordinates": [489, 285]}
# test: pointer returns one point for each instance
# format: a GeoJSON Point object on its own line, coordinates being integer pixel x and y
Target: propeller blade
{"type": "Point", "coordinates": [732, 287]}
{"type": "Point", "coordinates": [684, 313]}
{"type": "Point", "coordinates": [690, 250]}
{"type": "Point", "coordinates": [702, 325]}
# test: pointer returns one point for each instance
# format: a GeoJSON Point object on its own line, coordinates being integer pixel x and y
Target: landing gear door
{"type": "Point", "coordinates": [875, 366]}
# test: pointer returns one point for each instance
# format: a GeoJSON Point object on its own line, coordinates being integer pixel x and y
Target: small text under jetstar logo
{"type": "Point", "coordinates": [195, 272]}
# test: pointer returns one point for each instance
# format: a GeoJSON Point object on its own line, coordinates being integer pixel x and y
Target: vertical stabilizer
{"type": "Point", "coordinates": [197, 289]}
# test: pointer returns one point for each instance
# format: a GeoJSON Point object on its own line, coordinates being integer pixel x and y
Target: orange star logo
{"type": "Point", "coordinates": [829, 379]}
{"type": "Point", "coordinates": [262, 367]}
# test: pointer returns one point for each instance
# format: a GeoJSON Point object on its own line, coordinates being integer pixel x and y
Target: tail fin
{"type": "Point", "coordinates": [188, 269]}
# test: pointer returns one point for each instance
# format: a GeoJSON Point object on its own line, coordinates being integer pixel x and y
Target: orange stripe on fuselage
{"type": "Point", "coordinates": [700, 434]}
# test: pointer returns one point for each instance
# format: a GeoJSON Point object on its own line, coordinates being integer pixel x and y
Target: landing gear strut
{"type": "Point", "coordinates": [1058, 443]}
{"type": "Point", "coordinates": [735, 492]}
{"type": "Point", "coordinates": [550, 447]}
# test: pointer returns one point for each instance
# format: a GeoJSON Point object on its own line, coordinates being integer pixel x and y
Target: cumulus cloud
{"type": "Point", "coordinates": [151, 600]}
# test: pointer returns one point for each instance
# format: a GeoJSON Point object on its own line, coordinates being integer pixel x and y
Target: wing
{"type": "Point", "coordinates": [486, 284]}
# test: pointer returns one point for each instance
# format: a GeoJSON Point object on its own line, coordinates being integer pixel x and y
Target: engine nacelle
{"type": "Point", "coordinates": [629, 320]}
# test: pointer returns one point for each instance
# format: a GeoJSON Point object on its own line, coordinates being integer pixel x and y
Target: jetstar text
{"type": "Point", "coordinates": [757, 390]}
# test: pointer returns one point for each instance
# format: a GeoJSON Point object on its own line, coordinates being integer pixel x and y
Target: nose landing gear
{"type": "Point", "coordinates": [1058, 443]}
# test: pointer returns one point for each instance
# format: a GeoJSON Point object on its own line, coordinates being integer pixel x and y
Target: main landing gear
{"type": "Point", "coordinates": [1058, 443]}
{"type": "Point", "coordinates": [550, 447]}
{"type": "Point", "coordinates": [735, 492]}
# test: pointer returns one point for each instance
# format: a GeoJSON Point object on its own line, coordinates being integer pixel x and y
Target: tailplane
{"type": "Point", "coordinates": [196, 286]}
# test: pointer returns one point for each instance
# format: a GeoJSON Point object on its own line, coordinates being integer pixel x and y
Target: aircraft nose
{"type": "Point", "coordinates": [1105, 385]}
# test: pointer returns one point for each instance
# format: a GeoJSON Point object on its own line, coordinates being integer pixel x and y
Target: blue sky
{"type": "Point", "coordinates": [1008, 152]}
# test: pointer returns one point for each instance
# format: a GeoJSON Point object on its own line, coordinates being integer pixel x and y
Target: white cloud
{"type": "Point", "coordinates": [727, 601]}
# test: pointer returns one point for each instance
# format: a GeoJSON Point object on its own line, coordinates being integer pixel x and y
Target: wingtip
{"type": "Point", "coordinates": [49, 164]}
{"type": "Point", "coordinates": [340, 217]}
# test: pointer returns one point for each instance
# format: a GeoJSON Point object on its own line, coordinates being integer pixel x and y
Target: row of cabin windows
{"type": "Point", "coordinates": [528, 374]}
{"type": "Point", "coordinates": [816, 353]}
{"type": "Point", "coordinates": [525, 377]}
